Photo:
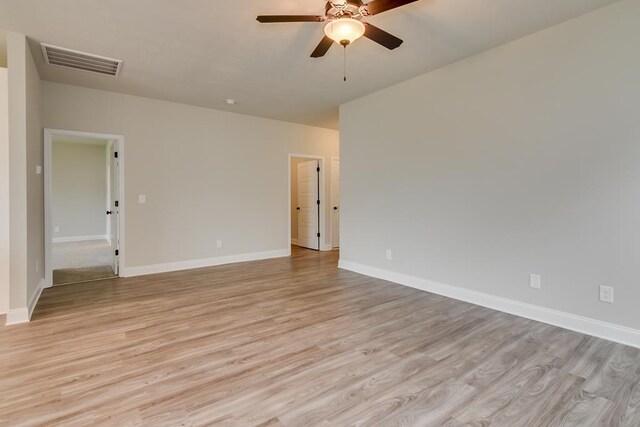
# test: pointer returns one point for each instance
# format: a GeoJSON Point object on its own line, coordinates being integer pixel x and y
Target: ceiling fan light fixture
{"type": "Point", "coordinates": [344, 31]}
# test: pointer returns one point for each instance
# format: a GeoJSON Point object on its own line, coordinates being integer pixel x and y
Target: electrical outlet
{"type": "Point", "coordinates": [535, 281]}
{"type": "Point", "coordinates": [389, 254]}
{"type": "Point", "coordinates": [219, 244]}
{"type": "Point", "coordinates": [606, 294]}
{"type": "Point", "coordinates": [142, 198]}
{"type": "Point", "coordinates": [57, 229]}
{"type": "Point", "coordinates": [38, 170]}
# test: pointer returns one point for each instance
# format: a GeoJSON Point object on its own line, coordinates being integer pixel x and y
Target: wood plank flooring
{"type": "Point", "coordinates": [297, 342]}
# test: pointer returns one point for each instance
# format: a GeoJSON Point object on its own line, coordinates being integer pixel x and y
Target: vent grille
{"type": "Point", "coordinates": [54, 55]}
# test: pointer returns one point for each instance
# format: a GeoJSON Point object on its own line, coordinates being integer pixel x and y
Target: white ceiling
{"type": "Point", "coordinates": [202, 52]}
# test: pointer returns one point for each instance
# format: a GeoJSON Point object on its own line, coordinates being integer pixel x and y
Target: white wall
{"type": "Point", "coordinates": [26, 188]}
{"type": "Point", "coordinates": [524, 159]}
{"type": "Point", "coordinates": [35, 183]}
{"type": "Point", "coordinates": [207, 174]}
{"type": "Point", "coordinates": [78, 189]}
{"type": "Point", "coordinates": [4, 192]}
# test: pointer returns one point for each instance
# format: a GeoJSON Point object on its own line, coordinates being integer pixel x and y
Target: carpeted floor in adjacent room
{"type": "Point", "coordinates": [75, 262]}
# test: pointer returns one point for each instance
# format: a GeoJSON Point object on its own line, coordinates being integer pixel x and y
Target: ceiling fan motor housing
{"type": "Point", "coordinates": [344, 9]}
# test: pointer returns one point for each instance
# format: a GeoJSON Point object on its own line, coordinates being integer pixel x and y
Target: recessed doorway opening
{"type": "Point", "coordinates": [308, 201]}
{"type": "Point", "coordinates": [83, 210]}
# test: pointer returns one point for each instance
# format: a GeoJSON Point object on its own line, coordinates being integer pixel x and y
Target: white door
{"type": "Point", "coordinates": [335, 203]}
{"type": "Point", "coordinates": [308, 205]}
{"type": "Point", "coordinates": [114, 197]}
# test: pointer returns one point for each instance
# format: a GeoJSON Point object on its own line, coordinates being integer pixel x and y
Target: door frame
{"type": "Point", "coordinates": [323, 246]}
{"type": "Point", "coordinates": [331, 198]}
{"type": "Point", "coordinates": [48, 221]}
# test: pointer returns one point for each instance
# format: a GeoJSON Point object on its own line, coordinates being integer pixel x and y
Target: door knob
{"type": "Point", "coordinates": [335, 208]}
{"type": "Point", "coordinates": [108, 212]}
{"type": "Point", "coordinates": [297, 209]}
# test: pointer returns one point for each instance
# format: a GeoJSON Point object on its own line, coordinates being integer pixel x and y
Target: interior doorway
{"type": "Point", "coordinates": [83, 211]}
{"type": "Point", "coordinates": [306, 201]}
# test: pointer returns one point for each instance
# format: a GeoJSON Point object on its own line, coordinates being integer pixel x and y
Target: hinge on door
{"type": "Point", "coordinates": [115, 154]}
{"type": "Point", "coordinates": [318, 169]}
{"type": "Point", "coordinates": [318, 202]}
{"type": "Point", "coordinates": [116, 203]}
{"type": "Point", "coordinates": [318, 234]}
{"type": "Point", "coordinates": [117, 252]}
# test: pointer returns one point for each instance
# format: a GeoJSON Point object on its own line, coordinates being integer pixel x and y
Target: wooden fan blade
{"type": "Point", "coordinates": [270, 19]}
{"type": "Point", "coordinates": [322, 48]}
{"type": "Point", "coordinates": [381, 37]}
{"type": "Point", "coordinates": [378, 6]}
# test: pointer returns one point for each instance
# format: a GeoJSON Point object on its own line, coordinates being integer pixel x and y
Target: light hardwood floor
{"type": "Point", "coordinates": [297, 342]}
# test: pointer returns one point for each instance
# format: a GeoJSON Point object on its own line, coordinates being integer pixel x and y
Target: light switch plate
{"type": "Point", "coordinates": [535, 281]}
{"type": "Point", "coordinates": [38, 170]}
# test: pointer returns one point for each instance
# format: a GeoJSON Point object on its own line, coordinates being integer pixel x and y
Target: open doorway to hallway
{"type": "Point", "coordinates": [314, 202]}
{"type": "Point", "coordinates": [82, 218]}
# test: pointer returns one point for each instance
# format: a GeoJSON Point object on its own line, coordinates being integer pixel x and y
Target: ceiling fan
{"type": "Point", "coordinates": [344, 23]}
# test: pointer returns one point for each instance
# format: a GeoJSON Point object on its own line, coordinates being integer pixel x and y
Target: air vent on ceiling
{"type": "Point", "coordinates": [63, 57]}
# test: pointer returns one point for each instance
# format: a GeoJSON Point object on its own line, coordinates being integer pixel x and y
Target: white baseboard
{"type": "Point", "coordinates": [200, 263]}
{"type": "Point", "coordinates": [585, 325]}
{"type": "Point", "coordinates": [17, 316]}
{"type": "Point", "coordinates": [23, 314]}
{"type": "Point", "coordinates": [80, 238]}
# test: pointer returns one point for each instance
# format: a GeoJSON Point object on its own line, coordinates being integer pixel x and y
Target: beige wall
{"type": "Point", "coordinates": [35, 183]}
{"type": "Point", "coordinates": [79, 189]}
{"type": "Point", "coordinates": [26, 188]}
{"type": "Point", "coordinates": [4, 192]}
{"type": "Point", "coordinates": [16, 48]}
{"type": "Point", "coordinates": [524, 159]}
{"type": "Point", "coordinates": [206, 174]}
